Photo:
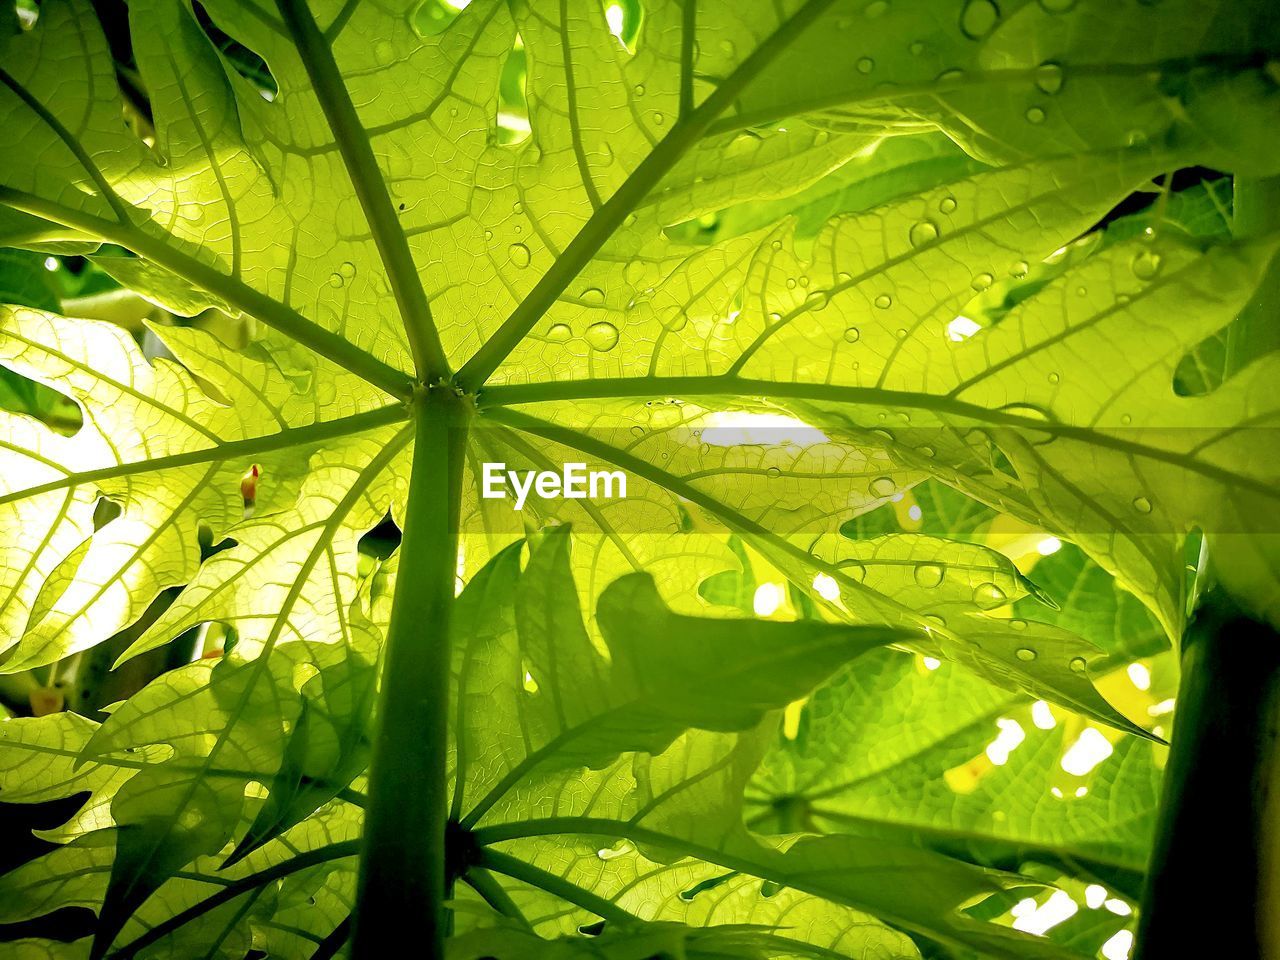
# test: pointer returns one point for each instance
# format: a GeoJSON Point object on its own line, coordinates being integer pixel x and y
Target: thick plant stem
{"type": "Point", "coordinates": [1257, 330]}
{"type": "Point", "coordinates": [1217, 848]}
{"type": "Point", "coordinates": [402, 882]}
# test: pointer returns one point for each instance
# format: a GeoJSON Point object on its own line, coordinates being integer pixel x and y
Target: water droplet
{"type": "Point", "coordinates": [852, 569]}
{"type": "Point", "coordinates": [1020, 269]}
{"type": "Point", "coordinates": [593, 296]}
{"type": "Point", "coordinates": [1026, 654]}
{"type": "Point", "coordinates": [950, 78]}
{"type": "Point", "coordinates": [791, 283]}
{"type": "Point", "coordinates": [602, 336]}
{"type": "Point", "coordinates": [639, 90]}
{"type": "Point", "coordinates": [659, 117]}
{"type": "Point", "coordinates": [852, 334]}
{"type": "Point", "coordinates": [884, 301]}
{"type": "Point", "coordinates": [1142, 504]}
{"type": "Point", "coordinates": [773, 473]}
{"type": "Point", "coordinates": [519, 254]}
{"type": "Point", "coordinates": [929, 574]}
{"type": "Point", "coordinates": [1078, 665]}
{"type": "Point", "coordinates": [982, 281]}
{"type": "Point", "coordinates": [936, 620]}
{"type": "Point", "coordinates": [517, 207]}
{"type": "Point", "coordinates": [1145, 264]}
{"type": "Point", "coordinates": [1049, 78]}
{"type": "Point", "coordinates": [637, 431]}
{"type": "Point", "coordinates": [988, 596]}
{"type": "Point", "coordinates": [1035, 115]}
{"type": "Point", "coordinates": [348, 269]}
{"type": "Point", "coordinates": [875, 9]}
{"type": "Point", "coordinates": [884, 486]}
{"type": "Point", "coordinates": [901, 333]}
{"type": "Point", "coordinates": [978, 18]}
{"type": "Point", "coordinates": [926, 231]}
{"type": "Point", "coordinates": [559, 333]}
{"type": "Point", "coordinates": [947, 204]}
{"type": "Point", "coordinates": [866, 65]}
{"type": "Point", "coordinates": [488, 234]}
{"type": "Point", "coordinates": [676, 320]}
{"type": "Point", "coordinates": [384, 51]}
{"type": "Point", "coordinates": [1055, 378]}
{"type": "Point", "coordinates": [916, 48]}
{"type": "Point", "coordinates": [817, 300]}
{"type": "Point", "coordinates": [1018, 624]}
{"type": "Point", "coordinates": [335, 280]}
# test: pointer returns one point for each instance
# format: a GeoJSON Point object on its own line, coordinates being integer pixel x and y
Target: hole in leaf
{"type": "Point", "coordinates": [243, 60]}
{"type": "Point", "coordinates": [27, 397]}
{"type": "Point", "coordinates": [436, 16]}
{"type": "Point", "coordinates": [511, 122]}
{"type": "Point", "coordinates": [709, 884]}
{"type": "Point", "coordinates": [104, 511]}
{"type": "Point", "coordinates": [204, 537]}
{"type": "Point", "coordinates": [623, 18]}
{"type": "Point", "coordinates": [382, 541]}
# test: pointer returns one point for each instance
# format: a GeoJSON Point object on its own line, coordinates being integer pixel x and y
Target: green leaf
{"type": "Point", "coordinates": [784, 265]}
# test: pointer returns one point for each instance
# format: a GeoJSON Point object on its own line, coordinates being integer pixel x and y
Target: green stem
{"type": "Point", "coordinates": [1257, 330]}
{"type": "Point", "coordinates": [402, 884]}
{"type": "Point", "coordinates": [497, 400]}
{"type": "Point", "coordinates": [370, 188]}
{"type": "Point", "coordinates": [509, 866]}
{"type": "Point", "coordinates": [1221, 802]}
{"type": "Point", "coordinates": [483, 883]}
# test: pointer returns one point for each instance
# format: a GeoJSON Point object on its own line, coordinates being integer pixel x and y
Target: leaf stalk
{"type": "Point", "coordinates": [1221, 802]}
{"type": "Point", "coordinates": [402, 883]}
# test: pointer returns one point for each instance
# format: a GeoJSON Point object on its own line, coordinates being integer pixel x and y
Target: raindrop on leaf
{"type": "Point", "coordinates": [1146, 264]}
{"type": "Point", "coordinates": [602, 336]}
{"type": "Point", "coordinates": [988, 596]}
{"type": "Point", "coordinates": [978, 18]}
{"type": "Point", "coordinates": [1049, 78]}
{"type": "Point", "coordinates": [929, 574]}
{"type": "Point", "coordinates": [884, 486]}
{"type": "Point", "coordinates": [923, 232]}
